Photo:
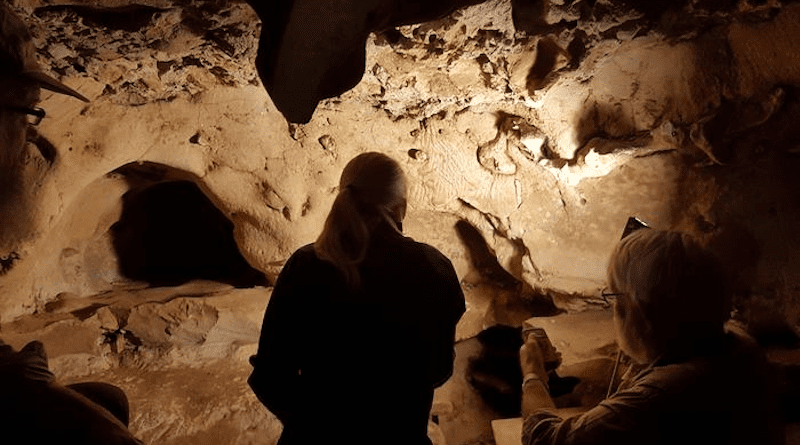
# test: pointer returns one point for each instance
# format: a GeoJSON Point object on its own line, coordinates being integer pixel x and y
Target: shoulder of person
{"type": "Point", "coordinates": [303, 255]}
{"type": "Point", "coordinates": [673, 376]}
{"type": "Point", "coordinates": [738, 358]}
{"type": "Point", "coordinates": [300, 260]}
{"type": "Point", "coordinates": [305, 251]}
{"type": "Point", "coordinates": [431, 255]}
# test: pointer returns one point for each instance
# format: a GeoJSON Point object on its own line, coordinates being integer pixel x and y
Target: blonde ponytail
{"type": "Point", "coordinates": [344, 238]}
{"type": "Point", "coordinates": [371, 184]}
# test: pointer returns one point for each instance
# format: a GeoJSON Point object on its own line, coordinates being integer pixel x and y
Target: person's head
{"type": "Point", "coordinates": [20, 80]}
{"type": "Point", "coordinates": [672, 294]}
{"type": "Point", "coordinates": [372, 191]}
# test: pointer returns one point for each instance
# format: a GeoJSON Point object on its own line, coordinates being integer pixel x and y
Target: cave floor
{"type": "Point", "coordinates": [182, 360]}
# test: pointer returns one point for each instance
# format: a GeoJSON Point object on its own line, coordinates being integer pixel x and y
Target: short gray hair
{"type": "Point", "coordinates": [679, 285]}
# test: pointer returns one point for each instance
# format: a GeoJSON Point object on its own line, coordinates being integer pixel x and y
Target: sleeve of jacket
{"type": "Point", "coordinates": [275, 375]}
{"type": "Point", "coordinates": [44, 412]}
{"type": "Point", "coordinates": [624, 419]}
{"type": "Point", "coordinates": [445, 288]}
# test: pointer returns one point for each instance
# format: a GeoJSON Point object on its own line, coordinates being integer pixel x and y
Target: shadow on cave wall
{"type": "Point", "coordinates": [519, 295]}
{"type": "Point", "coordinates": [170, 233]}
{"type": "Point", "coordinates": [606, 127]}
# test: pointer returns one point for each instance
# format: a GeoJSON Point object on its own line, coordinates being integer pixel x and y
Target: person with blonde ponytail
{"type": "Point", "coordinates": [360, 327]}
{"type": "Point", "coordinates": [372, 194]}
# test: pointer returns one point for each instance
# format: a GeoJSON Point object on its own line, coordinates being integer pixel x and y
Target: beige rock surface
{"type": "Point", "coordinates": [542, 165]}
{"type": "Point", "coordinates": [692, 130]}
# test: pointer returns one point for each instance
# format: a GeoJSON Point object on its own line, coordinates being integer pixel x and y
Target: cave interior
{"type": "Point", "coordinates": [143, 230]}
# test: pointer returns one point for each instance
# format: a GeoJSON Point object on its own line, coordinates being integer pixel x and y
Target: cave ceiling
{"type": "Point", "coordinates": [311, 50]}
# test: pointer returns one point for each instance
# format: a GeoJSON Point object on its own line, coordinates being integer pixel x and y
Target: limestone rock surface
{"type": "Point", "coordinates": [529, 132]}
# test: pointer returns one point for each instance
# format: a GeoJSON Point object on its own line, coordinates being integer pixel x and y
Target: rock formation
{"type": "Point", "coordinates": [529, 130]}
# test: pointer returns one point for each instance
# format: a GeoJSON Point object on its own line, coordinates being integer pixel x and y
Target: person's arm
{"type": "Point", "coordinates": [30, 362]}
{"type": "Point", "coordinates": [36, 409]}
{"type": "Point", "coordinates": [450, 296]}
{"type": "Point", "coordinates": [535, 393]}
{"type": "Point", "coordinates": [275, 375]}
{"type": "Point", "coordinates": [627, 418]}
{"type": "Point", "coordinates": [620, 420]}
{"type": "Point", "coordinates": [69, 417]}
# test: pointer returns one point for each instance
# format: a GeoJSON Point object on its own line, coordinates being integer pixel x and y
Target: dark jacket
{"type": "Point", "coordinates": [358, 367]}
{"type": "Point", "coordinates": [723, 396]}
{"type": "Point", "coordinates": [36, 410]}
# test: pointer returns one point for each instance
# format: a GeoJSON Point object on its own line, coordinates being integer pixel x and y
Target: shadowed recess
{"type": "Point", "coordinates": [126, 17]}
{"type": "Point", "coordinates": [170, 233]}
{"type": "Point", "coordinates": [495, 373]}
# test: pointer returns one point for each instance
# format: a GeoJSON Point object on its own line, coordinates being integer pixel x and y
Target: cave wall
{"type": "Point", "coordinates": [544, 141]}
{"type": "Point", "coordinates": [529, 130]}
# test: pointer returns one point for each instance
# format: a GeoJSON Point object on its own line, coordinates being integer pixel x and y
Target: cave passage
{"type": "Point", "coordinates": [170, 233]}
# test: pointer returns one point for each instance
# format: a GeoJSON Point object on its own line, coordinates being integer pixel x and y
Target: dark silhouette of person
{"type": "Point", "coordinates": [34, 407]}
{"type": "Point", "coordinates": [360, 327]}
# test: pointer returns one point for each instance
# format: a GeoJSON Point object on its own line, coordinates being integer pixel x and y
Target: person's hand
{"type": "Point", "coordinates": [531, 357]}
{"type": "Point", "coordinates": [31, 363]}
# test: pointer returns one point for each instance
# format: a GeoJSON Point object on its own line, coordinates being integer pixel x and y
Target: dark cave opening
{"type": "Point", "coordinates": [170, 233]}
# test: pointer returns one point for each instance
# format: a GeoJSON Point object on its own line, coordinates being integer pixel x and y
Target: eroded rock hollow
{"type": "Point", "coordinates": [142, 230]}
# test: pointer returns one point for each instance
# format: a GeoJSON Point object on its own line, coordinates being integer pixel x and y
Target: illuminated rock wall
{"type": "Point", "coordinates": [526, 150]}
{"type": "Point", "coordinates": [545, 143]}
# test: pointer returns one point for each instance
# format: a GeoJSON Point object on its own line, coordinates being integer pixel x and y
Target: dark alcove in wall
{"type": "Point", "coordinates": [170, 233]}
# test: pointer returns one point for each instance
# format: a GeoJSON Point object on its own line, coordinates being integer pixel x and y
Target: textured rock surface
{"type": "Point", "coordinates": [528, 136]}
{"type": "Point", "coordinates": [544, 144]}
{"type": "Point", "coordinates": [180, 354]}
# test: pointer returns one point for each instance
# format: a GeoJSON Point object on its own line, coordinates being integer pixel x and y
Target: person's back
{"type": "Point", "coordinates": [731, 392]}
{"type": "Point", "coordinates": [724, 396]}
{"type": "Point", "coordinates": [356, 338]}
{"type": "Point", "coordinates": [382, 350]}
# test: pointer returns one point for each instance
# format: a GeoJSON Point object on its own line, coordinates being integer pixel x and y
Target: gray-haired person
{"type": "Point", "coordinates": [696, 381]}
